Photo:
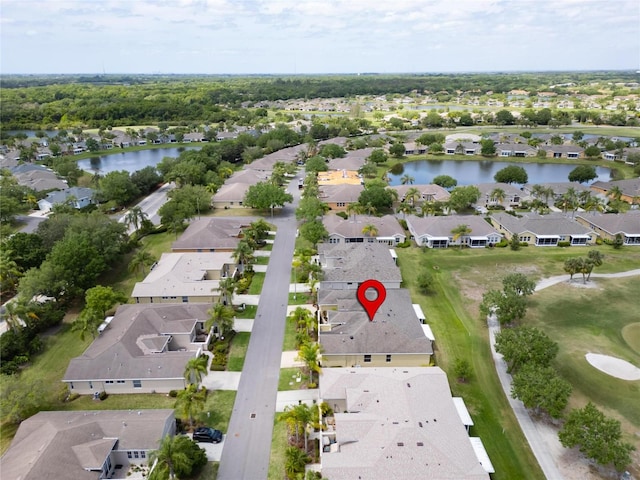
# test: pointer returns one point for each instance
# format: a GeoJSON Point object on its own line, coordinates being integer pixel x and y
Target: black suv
{"type": "Point", "coordinates": [206, 434]}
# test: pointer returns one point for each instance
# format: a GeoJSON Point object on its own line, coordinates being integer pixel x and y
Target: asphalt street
{"type": "Point", "coordinates": [247, 445]}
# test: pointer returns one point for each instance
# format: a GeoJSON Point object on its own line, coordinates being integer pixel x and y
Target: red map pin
{"type": "Point", "coordinates": [371, 306]}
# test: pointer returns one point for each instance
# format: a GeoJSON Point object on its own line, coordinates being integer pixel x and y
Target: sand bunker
{"type": "Point", "coordinates": [613, 366]}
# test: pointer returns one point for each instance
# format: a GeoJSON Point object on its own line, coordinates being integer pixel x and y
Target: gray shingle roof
{"type": "Point", "coordinates": [340, 193]}
{"type": "Point", "coordinates": [212, 233]}
{"type": "Point", "coordinates": [231, 192]}
{"type": "Point", "coordinates": [628, 222]}
{"type": "Point", "coordinates": [551, 224]}
{"type": "Point", "coordinates": [441, 226]}
{"type": "Point", "coordinates": [122, 351]}
{"type": "Point", "coordinates": [395, 329]}
{"type": "Point", "coordinates": [56, 445]}
{"type": "Point", "coordinates": [428, 191]}
{"type": "Point", "coordinates": [387, 225]}
{"type": "Point", "coordinates": [358, 262]}
{"type": "Point", "coordinates": [402, 424]}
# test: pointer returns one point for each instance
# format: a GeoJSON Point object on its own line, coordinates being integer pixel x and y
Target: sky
{"type": "Point", "coordinates": [317, 36]}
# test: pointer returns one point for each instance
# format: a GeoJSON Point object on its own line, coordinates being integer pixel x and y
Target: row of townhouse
{"type": "Point", "coordinates": [393, 414]}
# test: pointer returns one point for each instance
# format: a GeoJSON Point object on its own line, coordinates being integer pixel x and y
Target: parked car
{"type": "Point", "coordinates": [207, 434]}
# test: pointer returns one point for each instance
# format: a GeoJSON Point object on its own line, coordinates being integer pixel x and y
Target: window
{"type": "Point", "coordinates": [185, 299]}
{"type": "Point", "coordinates": [136, 454]}
{"type": "Point", "coordinates": [129, 455]}
{"type": "Point", "coordinates": [388, 358]}
{"type": "Point", "coordinates": [334, 240]}
{"type": "Point", "coordinates": [90, 384]}
{"type": "Point", "coordinates": [119, 381]}
{"type": "Point", "coordinates": [143, 454]}
{"type": "Point", "coordinates": [340, 204]}
{"type": "Point", "coordinates": [108, 382]}
{"type": "Point", "coordinates": [137, 384]}
{"type": "Point", "coordinates": [367, 358]}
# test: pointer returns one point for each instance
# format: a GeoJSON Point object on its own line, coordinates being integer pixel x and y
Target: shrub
{"type": "Point", "coordinates": [405, 244]}
{"type": "Point", "coordinates": [403, 224]}
{"type": "Point", "coordinates": [73, 396]}
{"type": "Point", "coordinates": [342, 215]}
{"type": "Point", "coordinates": [564, 244]}
{"type": "Point", "coordinates": [103, 395]}
{"type": "Point", "coordinates": [173, 393]}
{"type": "Point", "coordinates": [502, 243]}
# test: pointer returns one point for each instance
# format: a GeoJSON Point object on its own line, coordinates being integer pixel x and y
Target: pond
{"type": "Point", "coordinates": [129, 161]}
{"type": "Point", "coordinates": [474, 172]}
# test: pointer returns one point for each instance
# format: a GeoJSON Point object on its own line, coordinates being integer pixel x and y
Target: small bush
{"type": "Point", "coordinates": [73, 396]}
{"type": "Point", "coordinates": [502, 243]}
{"type": "Point", "coordinates": [403, 224]}
{"type": "Point", "coordinates": [564, 244]}
{"type": "Point", "coordinates": [103, 395]}
{"type": "Point", "coordinates": [405, 244]}
{"type": "Point", "coordinates": [173, 393]}
{"type": "Point", "coordinates": [342, 215]}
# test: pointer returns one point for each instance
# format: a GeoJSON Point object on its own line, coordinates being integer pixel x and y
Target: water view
{"type": "Point", "coordinates": [129, 161]}
{"type": "Point", "coordinates": [472, 172]}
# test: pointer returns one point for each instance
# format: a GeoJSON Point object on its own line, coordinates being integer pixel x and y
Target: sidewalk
{"type": "Point", "coordinates": [296, 397]}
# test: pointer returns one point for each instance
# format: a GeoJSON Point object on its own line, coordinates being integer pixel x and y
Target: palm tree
{"type": "Point", "coordinates": [195, 369]}
{"type": "Point", "coordinates": [9, 271]}
{"type": "Point", "coordinates": [135, 217]}
{"type": "Point", "coordinates": [243, 254]}
{"type": "Point", "coordinates": [538, 191]}
{"type": "Point", "coordinates": [226, 288]}
{"type": "Point", "coordinates": [141, 260]}
{"type": "Point", "coordinates": [615, 192]}
{"type": "Point", "coordinates": [169, 456]}
{"type": "Point", "coordinates": [220, 315]}
{"type": "Point", "coordinates": [18, 313]}
{"type": "Point", "coordinates": [497, 195]}
{"type": "Point", "coordinates": [569, 199]}
{"type": "Point", "coordinates": [303, 319]}
{"type": "Point", "coordinates": [190, 401]}
{"type": "Point", "coordinates": [295, 460]}
{"type": "Point", "coordinates": [309, 353]}
{"type": "Point", "coordinates": [405, 209]}
{"type": "Point", "coordinates": [353, 209]}
{"type": "Point", "coordinates": [407, 179]}
{"type": "Point", "coordinates": [412, 195]}
{"type": "Point", "coordinates": [370, 230]}
{"type": "Point", "coordinates": [459, 232]}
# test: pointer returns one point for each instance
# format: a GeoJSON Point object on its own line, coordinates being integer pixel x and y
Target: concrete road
{"type": "Point", "coordinates": [248, 442]}
{"type": "Point", "coordinates": [151, 204]}
{"type": "Point", "coordinates": [30, 222]}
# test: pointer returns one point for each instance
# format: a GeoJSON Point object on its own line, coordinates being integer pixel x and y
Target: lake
{"type": "Point", "coordinates": [129, 161]}
{"type": "Point", "coordinates": [474, 172]}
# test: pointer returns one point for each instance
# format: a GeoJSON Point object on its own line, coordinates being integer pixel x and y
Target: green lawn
{"type": "Point", "coordinates": [289, 336]}
{"type": "Point", "coordinates": [262, 260]}
{"type": "Point", "coordinates": [256, 283]}
{"type": "Point", "coordinates": [287, 380]}
{"type": "Point", "coordinates": [209, 472]}
{"type": "Point", "coordinates": [217, 409]}
{"type": "Point", "coordinates": [301, 298]}
{"type": "Point", "coordinates": [278, 446]}
{"type": "Point", "coordinates": [575, 318]}
{"type": "Point", "coordinates": [248, 312]}
{"type": "Point", "coordinates": [238, 351]}
{"type": "Point", "coordinates": [460, 279]}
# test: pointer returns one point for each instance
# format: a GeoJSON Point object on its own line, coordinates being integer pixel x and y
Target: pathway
{"type": "Point", "coordinates": [537, 441]}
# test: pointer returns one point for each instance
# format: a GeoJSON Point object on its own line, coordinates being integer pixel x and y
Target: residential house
{"type": "Point", "coordinates": [38, 177]}
{"type": "Point", "coordinates": [620, 155]}
{"type": "Point", "coordinates": [629, 189]}
{"type": "Point", "coordinates": [250, 177]}
{"type": "Point", "coordinates": [512, 195]}
{"type": "Point", "coordinates": [462, 137]}
{"type": "Point", "coordinates": [353, 160]}
{"type": "Point", "coordinates": [286, 155]}
{"type": "Point", "coordinates": [77, 197]}
{"type": "Point", "coordinates": [428, 193]}
{"type": "Point", "coordinates": [85, 445]}
{"type": "Point", "coordinates": [394, 337]}
{"type": "Point", "coordinates": [515, 150]}
{"type": "Point", "coordinates": [387, 229]}
{"type": "Point", "coordinates": [214, 234]}
{"type": "Point", "coordinates": [399, 423]}
{"type": "Point", "coordinates": [462, 148]}
{"type": "Point", "coordinates": [339, 177]}
{"type": "Point", "coordinates": [435, 232]}
{"type": "Point", "coordinates": [564, 151]}
{"type": "Point", "coordinates": [185, 277]}
{"type": "Point", "coordinates": [230, 195]}
{"type": "Point", "coordinates": [413, 148]}
{"type": "Point", "coordinates": [194, 137]}
{"type": "Point", "coordinates": [347, 265]}
{"type": "Point", "coordinates": [543, 230]}
{"type": "Point", "coordinates": [556, 189]}
{"type": "Point", "coordinates": [339, 197]}
{"type": "Point", "coordinates": [143, 349]}
{"type": "Point", "coordinates": [609, 225]}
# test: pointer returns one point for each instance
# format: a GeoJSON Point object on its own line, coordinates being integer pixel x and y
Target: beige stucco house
{"type": "Point", "coordinates": [399, 423]}
{"type": "Point", "coordinates": [85, 445]}
{"type": "Point", "coordinates": [544, 230]}
{"type": "Point", "coordinates": [143, 350]}
{"type": "Point", "coordinates": [185, 277]}
{"type": "Point", "coordinates": [607, 226]}
{"type": "Point", "coordinates": [352, 230]}
{"type": "Point", "coordinates": [214, 234]}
